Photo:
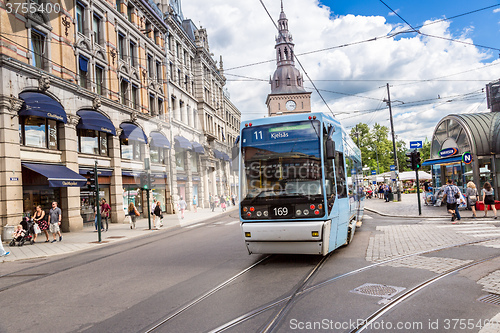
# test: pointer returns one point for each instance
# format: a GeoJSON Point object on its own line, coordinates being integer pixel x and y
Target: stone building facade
{"type": "Point", "coordinates": [113, 83]}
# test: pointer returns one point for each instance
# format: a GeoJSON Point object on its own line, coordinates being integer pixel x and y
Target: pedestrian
{"type": "Point", "coordinates": [182, 207]}
{"type": "Point", "coordinates": [3, 253]}
{"type": "Point", "coordinates": [105, 211]}
{"type": "Point", "coordinates": [133, 213]}
{"type": "Point", "coordinates": [489, 199]}
{"type": "Point", "coordinates": [233, 199]}
{"type": "Point", "coordinates": [472, 195]}
{"type": "Point", "coordinates": [39, 218]}
{"type": "Point", "coordinates": [223, 203]}
{"type": "Point", "coordinates": [157, 215]}
{"type": "Point", "coordinates": [212, 202]}
{"type": "Point", "coordinates": [195, 204]}
{"type": "Point", "coordinates": [451, 194]}
{"type": "Point", "coordinates": [380, 191]}
{"type": "Point", "coordinates": [55, 216]}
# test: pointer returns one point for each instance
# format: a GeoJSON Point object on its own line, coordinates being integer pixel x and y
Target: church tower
{"type": "Point", "coordinates": [287, 85]}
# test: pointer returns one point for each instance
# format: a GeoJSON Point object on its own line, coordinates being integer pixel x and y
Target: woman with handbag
{"type": "Point", "coordinates": [489, 199]}
{"type": "Point", "coordinates": [41, 222]}
{"type": "Point", "coordinates": [133, 213]}
{"type": "Point", "coordinates": [472, 194]}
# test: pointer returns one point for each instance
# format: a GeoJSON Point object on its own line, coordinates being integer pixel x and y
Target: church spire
{"type": "Point", "coordinates": [284, 41]}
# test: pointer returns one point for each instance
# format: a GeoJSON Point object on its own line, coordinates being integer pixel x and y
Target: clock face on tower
{"type": "Point", "coordinates": [290, 105]}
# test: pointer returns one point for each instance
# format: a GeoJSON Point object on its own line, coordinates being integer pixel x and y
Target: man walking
{"type": "Point", "coordinates": [55, 216]}
{"type": "Point", "coordinates": [451, 194]}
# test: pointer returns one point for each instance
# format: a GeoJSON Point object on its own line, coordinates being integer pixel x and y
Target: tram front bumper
{"type": "Point", "coordinates": [287, 237]}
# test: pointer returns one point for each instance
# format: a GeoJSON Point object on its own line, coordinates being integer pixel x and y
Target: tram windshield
{"type": "Point", "coordinates": [282, 163]}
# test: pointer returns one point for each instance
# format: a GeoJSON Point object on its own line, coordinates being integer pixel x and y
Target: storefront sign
{"type": "Point", "coordinates": [448, 152]}
{"type": "Point", "coordinates": [14, 179]}
{"type": "Point", "coordinates": [467, 158]}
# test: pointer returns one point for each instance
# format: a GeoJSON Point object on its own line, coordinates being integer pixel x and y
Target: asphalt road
{"type": "Point", "coordinates": [158, 279]}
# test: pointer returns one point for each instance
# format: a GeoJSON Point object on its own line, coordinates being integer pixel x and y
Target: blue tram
{"type": "Point", "coordinates": [300, 184]}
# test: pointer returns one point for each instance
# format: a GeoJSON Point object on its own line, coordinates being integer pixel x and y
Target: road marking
{"type": "Point", "coordinates": [474, 231]}
{"type": "Point", "coordinates": [234, 222]}
{"type": "Point", "coordinates": [367, 217]}
{"type": "Point", "coordinates": [195, 225]}
{"type": "Point", "coordinates": [487, 235]}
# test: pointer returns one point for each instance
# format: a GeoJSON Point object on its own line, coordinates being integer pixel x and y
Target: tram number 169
{"type": "Point", "coordinates": [280, 211]}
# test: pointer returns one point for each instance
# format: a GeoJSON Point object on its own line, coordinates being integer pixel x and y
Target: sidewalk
{"type": "Point", "coordinates": [408, 207]}
{"type": "Point", "coordinates": [88, 238]}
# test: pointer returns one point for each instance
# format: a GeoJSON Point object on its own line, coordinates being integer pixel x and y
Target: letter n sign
{"type": "Point", "coordinates": [467, 158]}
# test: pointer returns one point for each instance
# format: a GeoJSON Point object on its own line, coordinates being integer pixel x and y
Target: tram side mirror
{"type": "Point", "coordinates": [330, 149]}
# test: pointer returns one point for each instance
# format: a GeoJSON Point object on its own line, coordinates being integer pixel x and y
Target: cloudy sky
{"type": "Point", "coordinates": [352, 49]}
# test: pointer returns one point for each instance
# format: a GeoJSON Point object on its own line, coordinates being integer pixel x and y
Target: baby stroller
{"type": "Point", "coordinates": [27, 225]}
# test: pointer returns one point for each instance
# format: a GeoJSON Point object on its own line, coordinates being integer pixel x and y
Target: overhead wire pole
{"type": "Point", "coordinates": [394, 143]}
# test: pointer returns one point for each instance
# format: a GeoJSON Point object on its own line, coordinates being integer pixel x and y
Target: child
{"type": "Point", "coordinates": [18, 233]}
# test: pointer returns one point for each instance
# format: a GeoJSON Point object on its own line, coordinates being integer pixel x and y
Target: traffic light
{"type": "Point", "coordinates": [418, 160]}
{"type": "Point", "coordinates": [410, 160]}
{"type": "Point", "coordinates": [144, 181]}
{"type": "Point", "coordinates": [91, 181]}
{"type": "Point", "coordinates": [152, 179]}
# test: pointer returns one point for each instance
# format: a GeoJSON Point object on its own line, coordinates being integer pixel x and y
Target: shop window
{"type": "Point", "coordinates": [92, 142]}
{"type": "Point", "coordinates": [157, 155]}
{"type": "Point", "coordinates": [179, 161]}
{"type": "Point", "coordinates": [130, 149]}
{"type": "Point", "coordinates": [194, 162]}
{"type": "Point", "coordinates": [38, 132]}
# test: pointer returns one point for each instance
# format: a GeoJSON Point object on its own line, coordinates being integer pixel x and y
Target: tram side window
{"type": "Point", "coordinates": [330, 183]}
{"type": "Point", "coordinates": [351, 177]}
{"type": "Point", "coordinates": [340, 176]}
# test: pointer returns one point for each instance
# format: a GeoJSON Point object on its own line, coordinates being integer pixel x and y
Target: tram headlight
{"type": "Point", "coordinates": [306, 212]}
{"type": "Point", "coordinates": [315, 233]}
{"type": "Point", "coordinates": [298, 212]}
{"type": "Point", "coordinates": [259, 213]}
{"type": "Point", "coordinates": [248, 234]}
{"type": "Point", "coordinates": [266, 213]}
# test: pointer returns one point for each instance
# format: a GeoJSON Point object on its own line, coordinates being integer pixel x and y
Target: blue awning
{"type": "Point", "coordinates": [443, 160]}
{"type": "Point", "coordinates": [182, 143]}
{"type": "Point", "coordinates": [41, 105]}
{"type": "Point", "coordinates": [218, 154]}
{"type": "Point", "coordinates": [57, 175]}
{"type": "Point", "coordinates": [131, 173]}
{"type": "Point", "coordinates": [83, 64]}
{"type": "Point", "coordinates": [159, 140]}
{"type": "Point", "coordinates": [93, 120]}
{"type": "Point", "coordinates": [225, 157]}
{"type": "Point", "coordinates": [133, 132]}
{"type": "Point", "coordinates": [198, 148]}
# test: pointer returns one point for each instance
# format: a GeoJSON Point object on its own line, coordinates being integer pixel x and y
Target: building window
{"type": "Point", "coordinates": [158, 71]}
{"type": "Point", "coordinates": [179, 161]}
{"type": "Point", "coordinates": [133, 54]}
{"type": "Point", "coordinates": [99, 80]}
{"type": "Point", "coordinates": [96, 29]}
{"type": "Point", "coordinates": [172, 72]}
{"type": "Point", "coordinates": [80, 17]}
{"type": "Point", "coordinates": [157, 37]}
{"type": "Point", "coordinates": [194, 162]}
{"type": "Point", "coordinates": [92, 142]}
{"type": "Point", "coordinates": [119, 6]}
{"type": "Point", "coordinates": [37, 48]}
{"type": "Point", "coordinates": [160, 106]}
{"type": "Point", "coordinates": [38, 132]}
{"type": "Point", "coordinates": [158, 155]}
{"type": "Point", "coordinates": [83, 64]}
{"type": "Point", "coordinates": [130, 10]}
{"type": "Point", "coordinates": [121, 46]}
{"type": "Point", "coordinates": [135, 96]}
{"type": "Point", "coordinates": [150, 66]}
{"type": "Point", "coordinates": [179, 77]}
{"type": "Point", "coordinates": [123, 91]}
{"type": "Point", "coordinates": [152, 105]}
{"type": "Point", "coordinates": [130, 149]}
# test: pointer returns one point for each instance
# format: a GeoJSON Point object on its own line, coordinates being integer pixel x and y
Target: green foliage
{"type": "Point", "coordinates": [377, 142]}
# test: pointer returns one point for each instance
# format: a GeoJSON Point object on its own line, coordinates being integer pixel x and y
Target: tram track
{"type": "Point", "coordinates": [368, 321]}
{"type": "Point", "coordinates": [287, 302]}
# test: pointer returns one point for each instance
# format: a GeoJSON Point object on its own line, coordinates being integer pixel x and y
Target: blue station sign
{"type": "Point", "coordinates": [448, 152]}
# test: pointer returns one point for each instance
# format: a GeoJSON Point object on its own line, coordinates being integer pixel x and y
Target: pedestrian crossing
{"type": "Point", "coordinates": [477, 230]}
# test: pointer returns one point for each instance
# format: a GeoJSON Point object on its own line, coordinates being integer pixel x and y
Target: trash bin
{"type": "Point", "coordinates": [391, 196]}
{"type": "Point", "coordinates": [7, 232]}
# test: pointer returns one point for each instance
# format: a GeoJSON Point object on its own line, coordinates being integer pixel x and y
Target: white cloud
{"type": "Point", "coordinates": [243, 34]}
